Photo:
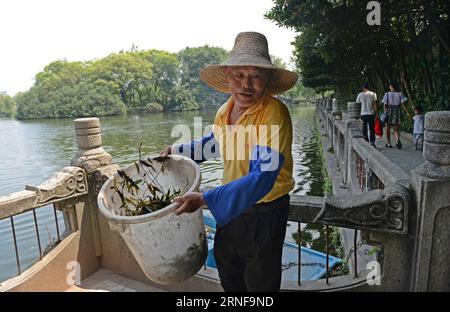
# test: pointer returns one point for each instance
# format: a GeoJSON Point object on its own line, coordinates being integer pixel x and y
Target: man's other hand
{"type": "Point", "coordinates": [167, 151]}
{"type": "Point", "coordinates": [189, 202]}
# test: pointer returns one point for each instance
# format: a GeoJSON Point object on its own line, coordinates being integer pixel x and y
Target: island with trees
{"type": "Point", "coordinates": [128, 82]}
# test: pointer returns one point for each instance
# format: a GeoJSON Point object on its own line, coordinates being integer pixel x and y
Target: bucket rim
{"type": "Point", "coordinates": [148, 216]}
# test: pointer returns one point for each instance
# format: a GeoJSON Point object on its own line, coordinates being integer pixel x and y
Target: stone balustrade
{"type": "Point", "coordinates": [419, 258]}
{"type": "Point", "coordinates": [72, 191]}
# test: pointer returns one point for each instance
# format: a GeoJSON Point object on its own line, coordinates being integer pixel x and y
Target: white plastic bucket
{"type": "Point", "coordinates": [168, 248]}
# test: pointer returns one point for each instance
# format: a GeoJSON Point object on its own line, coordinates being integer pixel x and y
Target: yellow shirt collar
{"type": "Point", "coordinates": [252, 109]}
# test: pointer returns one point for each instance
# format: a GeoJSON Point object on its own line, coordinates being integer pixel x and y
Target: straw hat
{"type": "Point", "coordinates": [250, 49]}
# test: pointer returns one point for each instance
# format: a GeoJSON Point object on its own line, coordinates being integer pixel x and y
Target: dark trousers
{"type": "Point", "coordinates": [368, 122]}
{"type": "Point", "coordinates": [248, 250]}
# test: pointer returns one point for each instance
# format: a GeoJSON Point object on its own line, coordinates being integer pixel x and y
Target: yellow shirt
{"type": "Point", "coordinates": [266, 123]}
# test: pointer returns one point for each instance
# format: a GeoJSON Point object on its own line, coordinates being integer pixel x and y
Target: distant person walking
{"type": "Point", "coordinates": [393, 104]}
{"type": "Point", "coordinates": [419, 120]}
{"type": "Point", "coordinates": [368, 100]}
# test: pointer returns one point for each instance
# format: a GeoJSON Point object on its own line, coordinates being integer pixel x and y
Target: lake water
{"type": "Point", "coordinates": [31, 151]}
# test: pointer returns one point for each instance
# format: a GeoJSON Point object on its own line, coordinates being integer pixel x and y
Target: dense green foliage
{"type": "Point", "coordinates": [298, 92]}
{"type": "Point", "coordinates": [337, 50]}
{"type": "Point", "coordinates": [194, 59]}
{"type": "Point", "coordinates": [7, 106]}
{"type": "Point", "coordinates": [132, 81]}
{"type": "Point", "coordinates": [66, 89]}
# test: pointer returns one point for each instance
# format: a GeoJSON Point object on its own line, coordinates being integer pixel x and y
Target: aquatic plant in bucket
{"type": "Point", "coordinates": [154, 197]}
{"type": "Point", "coordinates": [138, 203]}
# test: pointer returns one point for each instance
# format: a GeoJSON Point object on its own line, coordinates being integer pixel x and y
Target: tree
{"type": "Point", "coordinates": [165, 76]}
{"type": "Point", "coordinates": [192, 60]}
{"type": "Point", "coordinates": [337, 50]}
{"type": "Point", "coordinates": [7, 105]}
{"type": "Point", "coordinates": [65, 89]}
{"type": "Point", "coordinates": [129, 73]}
{"type": "Point", "coordinates": [136, 81]}
{"type": "Point", "coordinates": [278, 61]}
{"type": "Point", "coordinates": [298, 92]}
{"type": "Point", "coordinates": [184, 100]}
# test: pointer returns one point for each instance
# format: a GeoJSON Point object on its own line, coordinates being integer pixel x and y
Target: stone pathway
{"type": "Point", "coordinates": [407, 158]}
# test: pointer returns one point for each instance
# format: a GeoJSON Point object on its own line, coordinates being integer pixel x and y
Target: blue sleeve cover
{"type": "Point", "coordinates": [228, 201]}
{"type": "Point", "coordinates": [200, 150]}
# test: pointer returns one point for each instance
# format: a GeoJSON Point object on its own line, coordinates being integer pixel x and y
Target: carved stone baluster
{"type": "Point", "coordinates": [336, 114]}
{"type": "Point", "coordinates": [329, 120]}
{"type": "Point", "coordinates": [90, 154]}
{"type": "Point", "coordinates": [431, 182]}
{"type": "Point", "coordinates": [353, 122]}
{"type": "Point", "coordinates": [92, 157]}
{"type": "Point", "coordinates": [353, 110]}
{"type": "Point", "coordinates": [329, 107]}
{"type": "Point", "coordinates": [336, 109]}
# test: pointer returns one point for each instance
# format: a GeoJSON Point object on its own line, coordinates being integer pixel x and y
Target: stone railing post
{"type": "Point", "coordinates": [353, 122]}
{"type": "Point", "coordinates": [431, 184]}
{"type": "Point", "coordinates": [328, 109]}
{"type": "Point", "coordinates": [92, 157]}
{"type": "Point", "coordinates": [319, 111]}
{"type": "Point", "coordinates": [336, 109]}
{"type": "Point", "coordinates": [353, 110]}
{"type": "Point", "coordinates": [336, 114]}
{"type": "Point", "coordinates": [323, 111]}
{"type": "Point", "coordinates": [328, 105]}
{"type": "Point", "coordinates": [90, 154]}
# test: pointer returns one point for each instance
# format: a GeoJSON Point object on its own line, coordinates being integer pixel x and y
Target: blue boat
{"type": "Point", "coordinates": [313, 262]}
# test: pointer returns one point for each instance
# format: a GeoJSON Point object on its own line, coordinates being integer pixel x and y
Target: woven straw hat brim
{"type": "Point", "coordinates": [250, 49]}
{"type": "Point", "coordinates": [280, 81]}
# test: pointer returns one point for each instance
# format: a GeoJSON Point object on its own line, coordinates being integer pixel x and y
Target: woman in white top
{"type": "Point", "coordinates": [393, 105]}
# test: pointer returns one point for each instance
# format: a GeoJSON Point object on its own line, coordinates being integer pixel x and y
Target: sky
{"type": "Point", "coordinates": [35, 33]}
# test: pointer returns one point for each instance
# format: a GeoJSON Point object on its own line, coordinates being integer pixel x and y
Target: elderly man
{"type": "Point", "coordinates": [253, 131]}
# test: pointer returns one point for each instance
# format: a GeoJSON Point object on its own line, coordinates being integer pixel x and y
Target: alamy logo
{"type": "Point", "coordinates": [374, 276]}
{"type": "Point", "coordinates": [74, 275]}
{"type": "Point", "coordinates": [374, 16]}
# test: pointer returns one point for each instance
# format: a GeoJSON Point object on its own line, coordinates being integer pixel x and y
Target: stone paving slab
{"type": "Point", "coordinates": [407, 158]}
{"type": "Point", "coordinates": [106, 281]}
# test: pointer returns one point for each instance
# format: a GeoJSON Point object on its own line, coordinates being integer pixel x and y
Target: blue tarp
{"type": "Point", "coordinates": [313, 262]}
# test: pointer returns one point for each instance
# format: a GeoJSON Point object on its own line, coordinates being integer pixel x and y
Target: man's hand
{"type": "Point", "coordinates": [167, 151]}
{"type": "Point", "coordinates": [189, 202]}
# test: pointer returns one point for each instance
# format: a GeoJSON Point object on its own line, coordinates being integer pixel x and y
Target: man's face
{"type": "Point", "coordinates": [247, 84]}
